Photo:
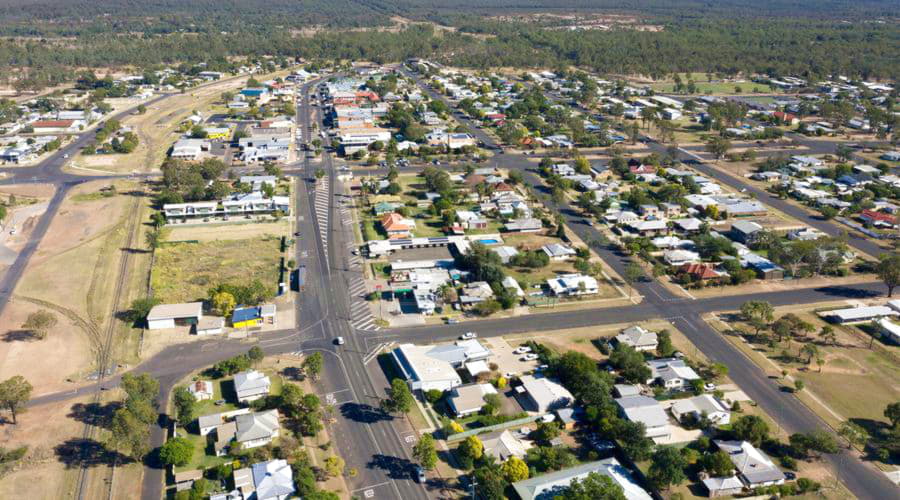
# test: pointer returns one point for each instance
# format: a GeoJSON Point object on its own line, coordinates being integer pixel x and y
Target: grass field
{"type": "Point", "coordinates": [228, 231]}
{"type": "Point", "coordinates": [715, 88]}
{"type": "Point", "coordinates": [184, 272]}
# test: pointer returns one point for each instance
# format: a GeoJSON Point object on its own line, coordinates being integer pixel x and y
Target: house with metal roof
{"type": "Point", "coordinates": [172, 315]}
{"type": "Point", "coordinates": [251, 385]}
{"type": "Point", "coordinates": [638, 338]}
{"type": "Point", "coordinates": [671, 373]}
{"type": "Point", "coordinates": [256, 429]}
{"type": "Point", "coordinates": [647, 411]}
{"type": "Point", "coordinates": [754, 468]}
{"type": "Point", "coordinates": [548, 486]}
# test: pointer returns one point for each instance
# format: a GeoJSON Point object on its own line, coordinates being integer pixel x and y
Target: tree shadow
{"type": "Point", "coordinates": [20, 336]}
{"type": "Point", "coordinates": [363, 413]}
{"type": "Point", "coordinates": [96, 414]}
{"type": "Point", "coordinates": [81, 452]}
{"type": "Point", "coordinates": [293, 373]}
{"type": "Point", "coordinates": [396, 468]}
{"type": "Point", "coordinates": [846, 291]}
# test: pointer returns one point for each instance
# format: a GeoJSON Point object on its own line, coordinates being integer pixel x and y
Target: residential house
{"type": "Point", "coordinates": [503, 444]}
{"type": "Point", "coordinates": [558, 252]}
{"type": "Point", "coordinates": [256, 429]}
{"type": "Point", "coordinates": [861, 314]}
{"type": "Point", "coordinates": [701, 272]}
{"type": "Point", "coordinates": [475, 292]}
{"type": "Point", "coordinates": [680, 257]}
{"type": "Point", "coordinates": [648, 411]}
{"type": "Point", "coordinates": [573, 285]}
{"type": "Point", "coordinates": [889, 330]}
{"type": "Point", "coordinates": [209, 423]}
{"type": "Point", "coordinates": [638, 338]}
{"type": "Point", "coordinates": [251, 385]}
{"type": "Point", "coordinates": [527, 225]}
{"type": "Point", "coordinates": [753, 467]}
{"type": "Point", "coordinates": [671, 373]}
{"type": "Point", "coordinates": [468, 399]}
{"type": "Point", "coordinates": [396, 226]}
{"type": "Point", "coordinates": [548, 486]}
{"type": "Point", "coordinates": [543, 395]}
{"type": "Point", "coordinates": [745, 232]}
{"type": "Point", "coordinates": [649, 227]}
{"type": "Point", "coordinates": [704, 405]}
{"type": "Point", "coordinates": [878, 219]}
{"type": "Point", "coordinates": [670, 210]}
{"type": "Point", "coordinates": [505, 252]}
{"type": "Point", "coordinates": [271, 480]}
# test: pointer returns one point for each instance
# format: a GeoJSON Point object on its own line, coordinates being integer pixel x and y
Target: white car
{"type": "Point", "coordinates": [530, 357]}
{"type": "Point", "coordinates": [468, 336]}
{"type": "Point", "coordinates": [339, 341]}
{"type": "Point", "coordinates": [522, 350]}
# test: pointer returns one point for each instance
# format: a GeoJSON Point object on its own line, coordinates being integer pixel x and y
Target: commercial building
{"type": "Point", "coordinates": [547, 486]}
{"type": "Point", "coordinates": [434, 367]}
{"type": "Point", "coordinates": [172, 315]}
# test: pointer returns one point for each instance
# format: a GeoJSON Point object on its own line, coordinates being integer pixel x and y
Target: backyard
{"type": "Point", "coordinates": [185, 271]}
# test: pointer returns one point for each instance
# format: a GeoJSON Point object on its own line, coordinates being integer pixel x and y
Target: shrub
{"type": "Point", "coordinates": [433, 396]}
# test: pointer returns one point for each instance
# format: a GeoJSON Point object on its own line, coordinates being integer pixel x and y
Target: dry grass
{"type": "Point", "coordinates": [184, 272]}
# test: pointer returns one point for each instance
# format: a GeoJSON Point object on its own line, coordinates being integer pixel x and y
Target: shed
{"type": "Point", "coordinates": [172, 315]}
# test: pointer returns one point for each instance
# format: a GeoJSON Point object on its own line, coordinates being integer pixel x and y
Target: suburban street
{"type": "Point", "coordinates": [377, 444]}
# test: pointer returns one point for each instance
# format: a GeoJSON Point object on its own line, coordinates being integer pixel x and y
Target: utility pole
{"type": "Point", "coordinates": [474, 484]}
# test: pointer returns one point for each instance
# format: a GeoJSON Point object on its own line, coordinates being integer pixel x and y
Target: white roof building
{"type": "Point", "coordinates": [544, 394]}
{"type": "Point", "coordinates": [638, 338]}
{"type": "Point", "coordinates": [697, 406]}
{"type": "Point", "coordinates": [548, 486]}
{"type": "Point", "coordinates": [251, 385]}
{"type": "Point", "coordinates": [647, 411]}
{"type": "Point", "coordinates": [573, 284]}
{"type": "Point", "coordinates": [672, 373]}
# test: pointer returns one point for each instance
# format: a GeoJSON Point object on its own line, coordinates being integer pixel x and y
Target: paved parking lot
{"type": "Point", "coordinates": [504, 357]}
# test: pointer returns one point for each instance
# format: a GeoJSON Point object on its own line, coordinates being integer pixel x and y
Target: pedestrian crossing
{"type": "Point", "coordinates": [321, 203]}
{"type": "Point", "coordinates": [361, 316]}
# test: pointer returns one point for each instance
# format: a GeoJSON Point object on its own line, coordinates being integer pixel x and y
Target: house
{"type": "Point", "coordinates": [434, 367]}
{"type": "Point", "coordinates": [701, 272]}
{"type": "Point", "coordinates": [625, 390]}
{"type": "Point", "coordinates": [765, 268]}
{"type": "Point", "coordinates": [670, 210]}
{"type": "Point", "coordinates": [208, 423]}
{"type": "Point", "coordinates": [210, 326]}
{"type": "Point", "coordinates": [396, 226]}
{"type": "Point", "coordinates": [648, 228]}
{"type": "Point", "coordinates": [503, 444]}
{"type": "Point", "coordinates": [753, 467]}
{"type": "Point", "coordinates": [505, 252]}
{"type": "Point", "coordinates": [558, 252]}
{"type": "Point", "coordinates": [245, 317]}
{"type": "Point", "coordinates": [273, 480]}
{"type": "Point", "coordinates": [172, 315]}
{"type": "Point", "coordinates": [786, 118]}
{"type": "Point", "coordinates": [543, 395]}
{"type": "Point", "coordinates": [745, 232]}
{"type": "Point", "coordinates": [185, 480]}
{"type": "Point", "coordinates": [680, 257]}
{"type": "Point", "coordinates": [526, 225]}
{"type": "Point", "coordinates": [687, 225]}
{"type": "Point", "coordinates": [201, 389]}
{"type": "Point", "coordinates": [256, 429]}
{"type": "Point", "coordinates": [572, 285]}
{"type": "Point", "coordinates": [700, 406]}
{"type": "Point", "coordinates": [671, 373]}
{"type": "Point", "coordinates": [723, 486]}
{"type": "Point", "coordinates": [548, 486]}
{"type": "Point", "coordinates": [861, 314]}
{"type": "Point", "coordinates": [888, 330]}
{"type": "Point", "coordinates": [475, 292]}
{"type": "Point", "coordinates": [638, 338]}
{"type": "Point", "coordinates": [468, 399]}
{"type": "Point", "coordinates": [51, 126]}
{"type": "Point", "coordinates": [648, 411]}
{"type": "Point", "coordinates": [875, 218]}
{"type": "Point", "coordinates": [251, 385]}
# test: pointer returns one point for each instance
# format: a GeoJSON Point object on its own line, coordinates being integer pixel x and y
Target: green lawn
{"type": "Point", "coordinates": [715, 88]}
{"type": "Point", "coordinates": [201, 459]}
{"type": "Point", "coordinates": [184, 272]}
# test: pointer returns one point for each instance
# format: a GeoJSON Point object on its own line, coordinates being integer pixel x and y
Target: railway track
{"type": "Point", "coordinates": [104, 354]}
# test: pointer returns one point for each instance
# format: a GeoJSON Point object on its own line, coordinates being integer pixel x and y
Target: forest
{"type": "Point", "coordinates": [45, 39]}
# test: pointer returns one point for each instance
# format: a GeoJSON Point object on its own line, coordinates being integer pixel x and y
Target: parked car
{"type": "Point", "coordinates": [530, 357]}
{"type": "Point", "coordinates": [452, 321]}
{"type": "Point", "coordinates": [522, 350]}
{"type": "Point", "coordinates": [709, 386]}
{"type": "Point", "coordinates": [420, 475]}
{"type": "Point", "coordinates": [339, 341]}
{"type": "Point", "coordinates": [468, 335]}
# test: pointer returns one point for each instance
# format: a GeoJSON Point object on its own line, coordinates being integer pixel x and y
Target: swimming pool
{"type": "Point", "coordinates": [488, 242]}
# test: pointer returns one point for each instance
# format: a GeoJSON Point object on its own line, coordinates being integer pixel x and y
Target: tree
{"type": "Point", "coordinates": [425, 452]}
{"type": "Point", "coordinates": [593, 487]}
{"type": "Point", "coordinates": [470, 450]}
{"type": "Point", "coordinates": [224, 303]}
{"type": "Point", "coordinates": [718, 146]}
{"type": "Point", "coordinates": [313, 364]}
{"type": "Point", "coordinates": [491, 483]}
{"type": "Point", "coordinates": [828, 334]}
{"type": "Point", "coordinates": [400, 399]}
{"type": "Point", "coordinates": [633, 273]}
{"type": "Point", "coordinates": [334, 465]}
{"type": "Point", "coordinates": [177, 451]}
{"type": "Point", "coordinates": [888, 271]}
{"type": "Point", "coordinates": [15, 392]}
{"type": "Point", "coordinates": [855, 434]}
{"type": "Point", "coordinates": [547, 431]}
{"type": "Point", "coordinates": [751, 428]}
{"type": "Point", "coordinates": [39, 323]}
{"type": "Point", "coordinates": [798, 385]}
{"type": "Point", "coordinates": [758, 313]}
{"type": "Point", "coordinates": [319, 174]}
{"type": "Point", "coordinates": [664, 347]}
{"type": "Point", "coordinates": [892, 413]}
{"type": "Point", "coordinates": [515, 469]}
{"type": "Point", "coordinates": [153, 239]}
{"type": "Point", "coordinates": [129, 433]}
{"type": "Point", "coordinates": [255, 354]}
{"type": "Point", "coordinates": [184, 403]}
{"type": "Point", "coordinates": [667, 468]}
{"type": "Point", "coordinates": [718, 464]}
{"type": "Point", "coordinates": [630, 364]}
{"type": "Point", "coordinates": [811, 351]}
